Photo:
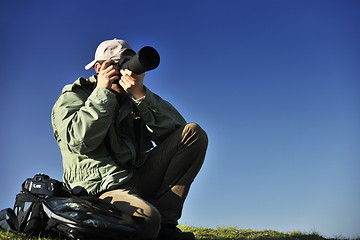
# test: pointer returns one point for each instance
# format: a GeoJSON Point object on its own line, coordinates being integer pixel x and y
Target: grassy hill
{"type": "Point", "coordinates": [248, 234]}
{"type": "Point", "coordinates": [217, 234]}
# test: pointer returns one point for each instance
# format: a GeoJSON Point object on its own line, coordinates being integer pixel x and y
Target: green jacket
{"type": "Point", "coordinates": [95, 130]}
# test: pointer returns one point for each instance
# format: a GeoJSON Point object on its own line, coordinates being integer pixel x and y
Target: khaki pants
{"type": "Point", "coordinates": [158, 189]}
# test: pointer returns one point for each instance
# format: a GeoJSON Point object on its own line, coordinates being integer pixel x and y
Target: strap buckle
{"type": "Point", "coordinates": [136, 115]}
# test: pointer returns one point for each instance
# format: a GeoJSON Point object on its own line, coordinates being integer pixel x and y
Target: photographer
{"type": "Point", "coordinates": [105, 127]}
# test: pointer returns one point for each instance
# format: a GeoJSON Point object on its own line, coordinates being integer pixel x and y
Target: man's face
{"type": "Point", "coordinates": [125, 56]}
{"type": "Point", "coordinates": [113, 63]}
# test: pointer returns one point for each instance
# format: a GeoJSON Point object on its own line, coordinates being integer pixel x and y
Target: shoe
{"type": "Point", "coordinates": [171, 232]}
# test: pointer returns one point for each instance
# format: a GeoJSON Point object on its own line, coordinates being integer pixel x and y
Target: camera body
{"type": "Point", "coordinates": [44, 186]}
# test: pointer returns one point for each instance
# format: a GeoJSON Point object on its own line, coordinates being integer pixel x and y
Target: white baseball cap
{"type": "Point", "coordinates": [109, 49]}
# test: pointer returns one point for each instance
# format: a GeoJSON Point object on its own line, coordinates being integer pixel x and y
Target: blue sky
{"type": "Point", "coordinates": [275, 83]}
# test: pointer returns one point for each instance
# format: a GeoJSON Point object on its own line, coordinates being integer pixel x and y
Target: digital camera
{"type": "Point", "coordinates": [42, 185]}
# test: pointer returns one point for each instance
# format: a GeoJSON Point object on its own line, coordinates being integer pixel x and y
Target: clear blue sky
{"type": "Point", "coordinates": [275, 83]}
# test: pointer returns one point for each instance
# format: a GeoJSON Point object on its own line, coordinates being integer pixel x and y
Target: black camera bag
{"type": "Point", "coordinates": [28, 204]}
{"type": "Point", "coordinates": [30, 215]}
{"type": "Point", "coordinates": [45, 207]}
{"type": "Point", "coordinates": [89, 218]}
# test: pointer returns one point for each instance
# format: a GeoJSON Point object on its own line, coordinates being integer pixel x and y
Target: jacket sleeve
{"type": "Point", "coordinates": [160, 117]}
{"type": "Point", "coordinates": [82, 120]}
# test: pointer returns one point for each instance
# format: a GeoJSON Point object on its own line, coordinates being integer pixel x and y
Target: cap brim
{"type": "Point", "coordinates": [90, 65]}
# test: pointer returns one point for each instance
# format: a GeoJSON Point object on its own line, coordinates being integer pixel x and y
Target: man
{"type": "Point", "coordinates": [105, 127]}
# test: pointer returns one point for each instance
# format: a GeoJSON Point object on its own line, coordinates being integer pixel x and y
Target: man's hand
{"type": "Point", "coordinates": [107, 74]}
{"type": "Point", "coordinates": [132, 83]}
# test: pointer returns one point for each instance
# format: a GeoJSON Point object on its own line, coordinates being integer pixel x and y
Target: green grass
{"type": "Point", "coordinates": [231, 233]}
{"type": "Point", "coordinates": [228, 233]}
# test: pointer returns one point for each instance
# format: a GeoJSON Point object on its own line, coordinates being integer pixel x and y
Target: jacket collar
{"type": "Point", "coordinates": [83, 81]}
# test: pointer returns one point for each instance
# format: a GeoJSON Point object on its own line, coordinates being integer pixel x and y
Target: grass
{"type": "Point", "coordinates": [231, 233]}
{"type": "Point", "coordinates": [228, 233]}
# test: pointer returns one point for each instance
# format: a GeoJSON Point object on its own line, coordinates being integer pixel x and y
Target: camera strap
{"type": "Point", "coordinates": [135, 117]}
{"type": "Point", "coordinates": [137, 126]}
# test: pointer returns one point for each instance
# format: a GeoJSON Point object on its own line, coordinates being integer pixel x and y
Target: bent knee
{"type": "Point", "coordinates": [196, 131]}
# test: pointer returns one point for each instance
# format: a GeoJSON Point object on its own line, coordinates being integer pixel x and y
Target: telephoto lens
{"type": "Point", "coordinates": [145, 60]}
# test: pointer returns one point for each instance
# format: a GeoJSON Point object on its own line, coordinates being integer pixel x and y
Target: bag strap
{"type": "Point", "coordinates": [8, 220]}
